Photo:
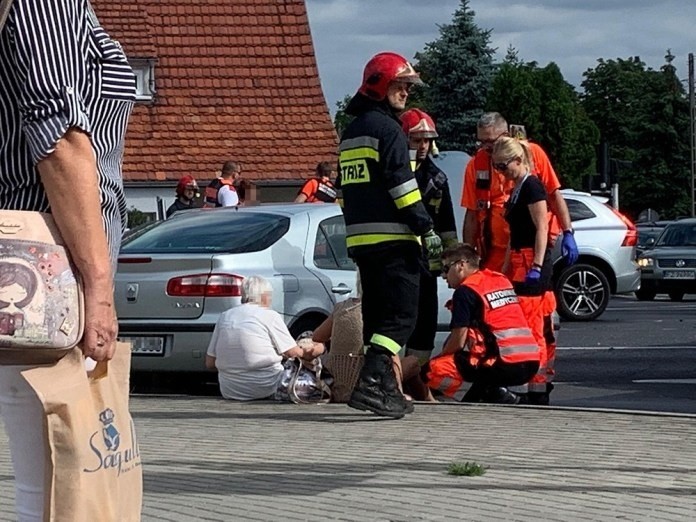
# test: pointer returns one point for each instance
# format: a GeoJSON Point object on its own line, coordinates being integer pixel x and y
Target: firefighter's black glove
{"type": "Point", "coordinates": [433, 244]}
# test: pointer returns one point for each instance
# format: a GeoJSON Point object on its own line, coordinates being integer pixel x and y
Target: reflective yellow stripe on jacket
{"type": "Point", "coordinates": [373, 233]}
{"type": "Point", "coordinates": [406, 194]}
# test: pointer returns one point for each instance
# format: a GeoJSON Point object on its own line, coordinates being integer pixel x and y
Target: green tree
{"type": "Point", "coordinates": [549, 107]}
{"type": "Point", "coordinates": [643, 115]}
{"type": "Point", "coordinates": [457, 68]}
{"type": "Point", "coordinates": [341, 120]}
{"type": "Point", "coordinates": [136, 217]}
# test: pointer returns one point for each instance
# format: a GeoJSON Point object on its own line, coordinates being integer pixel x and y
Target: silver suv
{"type": "Point", "coordinates": [606, 241]}
{"type": "Point", "coordinates": [607, 244]}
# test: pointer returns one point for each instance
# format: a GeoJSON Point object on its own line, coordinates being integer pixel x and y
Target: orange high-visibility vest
{"type": "Point", "coordinates": [211, 191]}
{"type": "Point", "coordinates": [503, 316]}
{"type": "Point", "coordinates": [319, 191]}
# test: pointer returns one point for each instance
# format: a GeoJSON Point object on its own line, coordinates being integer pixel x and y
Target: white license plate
{"type": "Point", "coordinates": [680, 274]}
{"type": "Point", "coordinates": [146, 345]}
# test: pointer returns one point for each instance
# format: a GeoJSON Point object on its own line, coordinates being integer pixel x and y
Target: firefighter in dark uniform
{"type": "Point", "coordinates": [432, 182]}
{"type": "Point", "coordinates": [386, 222]}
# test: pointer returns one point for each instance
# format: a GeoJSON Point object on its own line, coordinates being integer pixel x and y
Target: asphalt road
{"type": "Point", "coordinates": [637, 355]}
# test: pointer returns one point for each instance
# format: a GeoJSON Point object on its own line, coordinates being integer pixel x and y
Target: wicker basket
{"type": "Point", "coordinates": [345, 370]}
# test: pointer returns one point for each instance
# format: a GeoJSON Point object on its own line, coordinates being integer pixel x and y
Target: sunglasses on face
{"type": "Point", "coordinates": [502, 167]}
{"type": "Point", "coordinates": [491, 142]}
{"type": "Point", "coordinates": [446, 266]}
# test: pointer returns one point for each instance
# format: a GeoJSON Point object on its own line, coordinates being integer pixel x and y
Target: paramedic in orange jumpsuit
{"type": "Point", "coordinates": [528, 260]}
{"type": "Point", "coordinates": [484, 195]}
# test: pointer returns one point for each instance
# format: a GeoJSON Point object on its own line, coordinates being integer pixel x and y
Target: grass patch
{"type": "Point", "coordinates": [465, 469]}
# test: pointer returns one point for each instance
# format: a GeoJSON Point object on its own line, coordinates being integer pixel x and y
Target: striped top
{"type": "Point", "coordinates": [61, 70]}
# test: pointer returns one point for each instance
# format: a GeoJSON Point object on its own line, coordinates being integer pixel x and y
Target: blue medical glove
{"type": "Point", "coordinates": [433, 244]}
{"type": "Point", "coordinates": [569, 248]}
{"type": "Point", "coordinates": [533, 276]}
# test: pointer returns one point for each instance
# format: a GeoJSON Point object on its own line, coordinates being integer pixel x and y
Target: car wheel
{"type": "Point", "coordinates": [676, 296]}
{"type": "Point", "coordinates": [645, 294]}
{"type": "Point", "coordinates": [582, 292]}
{"type": "Point", "coordinates": [304, 326]}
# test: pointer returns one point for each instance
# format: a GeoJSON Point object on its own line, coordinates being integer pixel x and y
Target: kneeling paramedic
{"type": "Point", "coordinates": [490, 344]}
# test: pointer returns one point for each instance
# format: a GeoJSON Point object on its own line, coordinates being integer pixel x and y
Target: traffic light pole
{"type": "Point", "coordinates": [692, 114]}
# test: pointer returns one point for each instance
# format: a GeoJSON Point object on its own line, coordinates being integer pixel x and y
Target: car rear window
{"type": "Point", "coordinates": [578, 210]}
{"type": "Point", "coordinates": [200, 232]}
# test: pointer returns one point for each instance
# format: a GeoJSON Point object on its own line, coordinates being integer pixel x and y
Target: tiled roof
{"type": "Point", "coordinates": [235, 80]}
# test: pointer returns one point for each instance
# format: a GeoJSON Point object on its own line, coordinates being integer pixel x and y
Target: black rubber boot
{"type": "Point", "coordinates": [475, 393]}
{"type": "Point", "coordinates": [408, 406]}
{"type": "Point", "coordinates": [538, 398]}
{"type": "Point", "coordinates": [377, 390]}
{"type": "Point", "coordinates": [500, 395]}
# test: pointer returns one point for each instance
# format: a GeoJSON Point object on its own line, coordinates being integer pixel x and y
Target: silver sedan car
{"type": "Point", "coordinates": [175, 277]}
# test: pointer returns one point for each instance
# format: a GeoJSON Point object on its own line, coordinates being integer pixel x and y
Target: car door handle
{"type": "Point", "coordinates": [341, 289]}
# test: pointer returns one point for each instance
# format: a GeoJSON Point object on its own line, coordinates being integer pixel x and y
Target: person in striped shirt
{"type": "Point", "coordinates": [66, 92]}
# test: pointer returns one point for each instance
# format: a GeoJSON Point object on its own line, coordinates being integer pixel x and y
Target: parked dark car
{"type": "Point", "coordinates": [669, 266]}
{"type": "Point", "coordinates": [648, 232]}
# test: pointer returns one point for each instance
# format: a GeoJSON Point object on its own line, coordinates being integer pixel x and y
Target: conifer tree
{"type": "Point", "coordinates": [457, 68]}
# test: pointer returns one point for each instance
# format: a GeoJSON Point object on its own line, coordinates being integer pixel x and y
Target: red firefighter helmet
{"type": "Point", "coordinates": [381, 70]}
{"type": "Point", "coordinates": [418, 124]}
{"type": "Point", "coordinates": [184, 183]}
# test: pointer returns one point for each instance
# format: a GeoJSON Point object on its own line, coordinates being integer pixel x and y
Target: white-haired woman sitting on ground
{"type": "Point", "coordinates": [249, 343]}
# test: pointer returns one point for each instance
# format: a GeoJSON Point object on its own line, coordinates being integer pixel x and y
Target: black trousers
{"type": "Point", "coordinates": [390, 280]}
{"type": "Point", "coordinates": [500, 374]}
{"type": "Point", "coordinates": [423, 336]}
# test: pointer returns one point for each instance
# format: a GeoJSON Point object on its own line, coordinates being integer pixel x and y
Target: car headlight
{"type": "Point", "coordinates": [645, 262]}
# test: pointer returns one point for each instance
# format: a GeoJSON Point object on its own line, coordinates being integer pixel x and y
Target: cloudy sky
{"type": "Point", "coordinates": [572, 33]}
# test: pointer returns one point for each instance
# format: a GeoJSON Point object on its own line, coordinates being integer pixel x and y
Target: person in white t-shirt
{"type": "Point", "coordinates": [222, 191]}
{"type": "Point", "coordinates": [249, 343]}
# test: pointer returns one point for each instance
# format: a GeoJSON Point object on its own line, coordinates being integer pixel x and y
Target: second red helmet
{"type": "Point", "coordinates": [418, 124]}
{"type": "Point", "coordinates": [384, 68]}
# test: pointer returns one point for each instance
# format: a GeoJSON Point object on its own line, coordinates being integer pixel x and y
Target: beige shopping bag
{"type": "Point", "coordinates": [94, 468]}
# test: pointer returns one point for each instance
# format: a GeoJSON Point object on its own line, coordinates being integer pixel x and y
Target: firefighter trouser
{"type": "Point", "coordinates": [390, 281]}
{"type": "Point", "coordinates": [422, 340]}
{"type": "Point", "coordinates": [448, 373]}
{"type": "Point", "coordinates": [534, 304]}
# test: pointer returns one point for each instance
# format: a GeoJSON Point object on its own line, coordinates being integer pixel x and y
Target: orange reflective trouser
{"type": "Point", "coordinates": [533, 308]}
{"type": "Point", "coordinates": [444, 377]}
{"type": "Point", "coordinates": [549, 306]}
{"type": "Point", "coordinates": [495, 258]}
{"type": "Point", "coordinates": [495, 234]}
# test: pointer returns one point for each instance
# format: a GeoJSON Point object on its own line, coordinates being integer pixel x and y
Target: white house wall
{"type": "Point", "coordinates": [145, 199]}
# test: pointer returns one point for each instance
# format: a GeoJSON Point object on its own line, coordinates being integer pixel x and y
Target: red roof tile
{"type": "Point", "coordinates": [235, 80]}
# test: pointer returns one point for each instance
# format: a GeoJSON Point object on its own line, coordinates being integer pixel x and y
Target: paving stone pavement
{"type": "Point", "coordinates": [213, 460]}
